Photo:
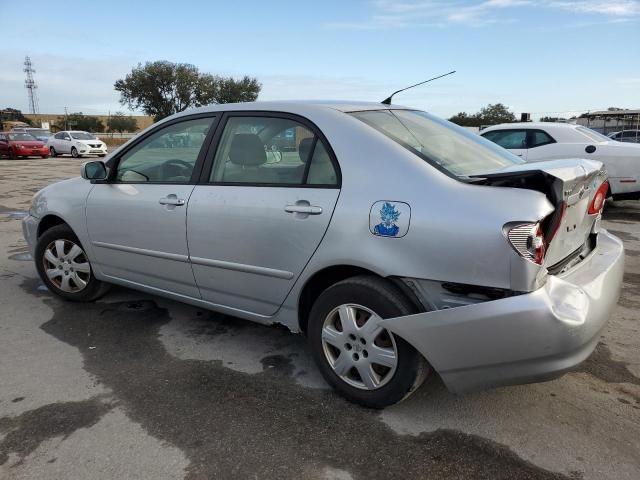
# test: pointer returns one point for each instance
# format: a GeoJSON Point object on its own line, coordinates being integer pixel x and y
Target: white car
{"type": "Point", "coordinates": [535, 142]}
{"type": "Point", "coordinates": [76, 143]}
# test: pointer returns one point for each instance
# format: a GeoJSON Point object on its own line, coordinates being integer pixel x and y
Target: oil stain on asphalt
{"type": "Point", "coordinates": [22, 434]}
{"type": "Point", "coordinates": [231, 424]}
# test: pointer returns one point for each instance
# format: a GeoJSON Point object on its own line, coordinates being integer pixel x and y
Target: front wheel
{"type": "Point", "coordinates": [12, 154]}
{"type": "Point", "coordinates": [74, 152]}
{"type": "Point", "coordinates": [64, 266]}
{"type": "Point", "coordinates": [364, 362]}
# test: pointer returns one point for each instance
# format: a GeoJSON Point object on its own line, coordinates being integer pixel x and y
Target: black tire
{"type": "Point", "coordinates": [74, 152]}
{"type": "Point", "coordinates": [12, 154]}
{"type": "Point", "coordinates": [53, 152]}
{"type": "Point", "coordinates": [94, 288]}
{"type": "Point", "coordinates": [386, 300]}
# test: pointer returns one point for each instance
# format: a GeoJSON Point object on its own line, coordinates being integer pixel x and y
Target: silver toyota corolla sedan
{"type": "Point", "coordinates": [400, 244]}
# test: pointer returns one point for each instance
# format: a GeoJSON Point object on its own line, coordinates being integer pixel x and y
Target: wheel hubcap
{"type": "Point", "coordinates": [66, 266]}
{"type": "Point", "coordinates": [359, 351]}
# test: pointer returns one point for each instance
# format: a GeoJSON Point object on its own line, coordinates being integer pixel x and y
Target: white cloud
{"type": "Point", "coordinates": [389, 14]}
{"type": "Point", "coordinates": [620, 8]}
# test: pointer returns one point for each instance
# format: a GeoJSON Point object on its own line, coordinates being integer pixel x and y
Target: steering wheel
{"type": "Point", "coordinates": [183, 169]}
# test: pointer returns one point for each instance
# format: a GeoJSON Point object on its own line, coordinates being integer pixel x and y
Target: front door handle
{"type": "Point", "coordinates": [171, 200]}
{"type": "Point", "coordinates": [308, 209]}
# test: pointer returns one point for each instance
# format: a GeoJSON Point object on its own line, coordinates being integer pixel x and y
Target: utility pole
{"type": "Point", "coordinates": [66, 127]}
{"type": "Point", "coordinates": [31, 86]}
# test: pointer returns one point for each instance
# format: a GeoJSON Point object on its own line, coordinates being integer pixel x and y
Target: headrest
{"type": "Point", "coordinates": [305, 148]}
{"type": "Point", "coordinates": [247, 150]}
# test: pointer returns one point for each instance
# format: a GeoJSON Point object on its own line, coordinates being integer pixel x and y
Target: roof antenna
{"type": "Point", "coordinates": [387, 101]}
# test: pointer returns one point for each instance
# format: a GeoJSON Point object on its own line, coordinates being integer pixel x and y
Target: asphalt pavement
{"type": "Point", "coordinates": [138, 387]}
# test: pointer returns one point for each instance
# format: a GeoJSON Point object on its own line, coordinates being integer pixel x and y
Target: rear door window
{"type": "Point", "coordinates": [509, 139]}
{"type": "Point", "coordinates": [538, 138]}
{"type": "Point", "coordinates": [260, 150]}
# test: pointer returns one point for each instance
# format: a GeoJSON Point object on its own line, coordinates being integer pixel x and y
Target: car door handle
{"type": "Point", "coordinates": [171, 200]}
{"type": "Point", "coordinates": [308, 209]}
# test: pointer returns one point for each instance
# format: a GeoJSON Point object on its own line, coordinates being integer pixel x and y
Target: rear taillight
{"type": "Point", "coordinates": [595, 207]}
{"type": "Point", "coordinates": [528, 240]}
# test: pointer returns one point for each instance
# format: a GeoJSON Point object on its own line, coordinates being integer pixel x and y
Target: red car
{"type": "Point", "coordinates": [14, 145]}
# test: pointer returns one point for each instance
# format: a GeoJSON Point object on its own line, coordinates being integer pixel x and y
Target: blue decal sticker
{"type": "Point", "coordinates": [389, 219]}
{"type": "Point", "coordinates": [389, 216]}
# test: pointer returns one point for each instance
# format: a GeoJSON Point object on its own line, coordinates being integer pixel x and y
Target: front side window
{"type": "Point", "coordinates": [167, 156]}
{"type": "Point", "coordinates": [273, 151]}
{"type": "Point", "coordinates": [449, 147]}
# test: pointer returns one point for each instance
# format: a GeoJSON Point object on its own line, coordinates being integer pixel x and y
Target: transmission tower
{"type": "Point", "coordinates": [30, 85]}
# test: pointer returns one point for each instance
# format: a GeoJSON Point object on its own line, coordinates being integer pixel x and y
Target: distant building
{"type": "Point", "coordinates": [609, 121]}
{"type": "Point", "coordinates": [143, 121]}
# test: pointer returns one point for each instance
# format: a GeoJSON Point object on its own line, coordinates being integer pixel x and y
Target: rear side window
{"type": "Point", "coordinates": [540, 138]}
{"type": "Point", "coordinates": [271, 151]}
{"type": "Point", "coordinates": [445, 146]}
{"type": "Point", "coordinates": [509, 139]}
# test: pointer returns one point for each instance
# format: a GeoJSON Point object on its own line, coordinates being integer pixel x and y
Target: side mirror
{"type": "Point", "coordinates": [95, 170]}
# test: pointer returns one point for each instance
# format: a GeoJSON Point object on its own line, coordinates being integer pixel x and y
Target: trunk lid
{"type": "Point", "coordinates": [570, 185]}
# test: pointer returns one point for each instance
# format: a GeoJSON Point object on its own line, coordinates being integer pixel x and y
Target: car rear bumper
{"type": "Point", "coordinates": [525, 338]}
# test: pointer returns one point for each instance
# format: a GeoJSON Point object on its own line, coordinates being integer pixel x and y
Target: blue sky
{"type": "Point", "coordinates": [535, 56]}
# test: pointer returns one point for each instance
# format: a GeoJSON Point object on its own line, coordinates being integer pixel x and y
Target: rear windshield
{"type": "Point", "coordinates": [592, 134]}
{"type": "Point", "coordinates": [448, 147]}
{"type": "Point", "coordinates": [25, 137]}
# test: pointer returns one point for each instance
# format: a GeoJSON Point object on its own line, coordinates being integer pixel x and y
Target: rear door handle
{"type": "Point", "coordinates": [171, 200]}
{"type": "Point", "coordinates": [308, 209]}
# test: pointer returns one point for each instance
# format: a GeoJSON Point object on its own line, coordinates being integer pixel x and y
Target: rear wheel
{"type": "Point", "coordinates": [53, 152]}
{"type": "Point", "coordinates": [364, 362]}
{"type": "Point", "coordinates": [64, 266]}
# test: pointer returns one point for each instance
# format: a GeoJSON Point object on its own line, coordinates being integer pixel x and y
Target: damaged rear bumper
{"type": "Point", "coordinates": [525, 338]}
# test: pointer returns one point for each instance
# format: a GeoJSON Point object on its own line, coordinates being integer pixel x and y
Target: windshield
{"type": "Point", "coordinates": [24, 137]}
{"type": "Point", "coordinates": [447, 146]}
{"type": "Point", "coordinates": [82, 136]}
{"type": "Point", "coordinates": [593, 135]}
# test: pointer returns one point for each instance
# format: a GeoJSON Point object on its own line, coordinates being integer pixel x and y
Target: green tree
{"type": "Point", "coordinates": [119, 122]}
{"type": "Point", "coordinates": [163, 88]}
{"type": "Point", "coordinates": [12, 115]}
{"type": "Point", "coordinates": [494, 114]}
{"type": "Point", "coordinates": [79, 121]}
{"type": "Point", "coordinates": [465, 120]}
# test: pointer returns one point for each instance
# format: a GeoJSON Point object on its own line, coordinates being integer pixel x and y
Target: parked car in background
{"type": "Point", "coordinates": [536, 142]}
{"type": "Point", "coordinates": [398, 242]}
{"type": "Point", "coordinates": [41, 134]}
{"type": "Point", "coordinates": [21, 145]}
{"type": "Point", "coordinates": [631, 136]}
{"type": "Point", "coordinates": [76, 143]}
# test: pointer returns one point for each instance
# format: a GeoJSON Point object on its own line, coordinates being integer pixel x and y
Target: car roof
{"type": "Point", "coordinates": [543, 125]}
{"type": "Point", "coordinates": [298, 105]}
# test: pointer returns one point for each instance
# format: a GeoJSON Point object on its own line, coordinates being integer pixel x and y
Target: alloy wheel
{"type": "Point", "coordinates": [360, 352]}
{"type": "Point", "coordinates": [66, 266]}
